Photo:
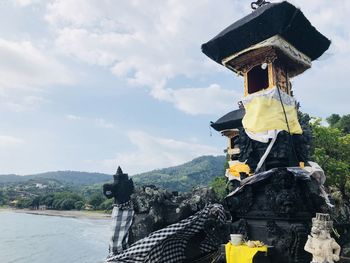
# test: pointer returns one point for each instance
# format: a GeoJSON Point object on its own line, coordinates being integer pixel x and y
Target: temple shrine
{"type": "Point", "coordinates": [273, 190]}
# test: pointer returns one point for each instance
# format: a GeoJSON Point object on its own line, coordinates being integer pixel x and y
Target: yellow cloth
{"type": "Point", "coordinates": [237, 168]}
{"type": "Point", "coordinates": [264, 112]}
{"type": "Point", "coordinates": [241, 254]}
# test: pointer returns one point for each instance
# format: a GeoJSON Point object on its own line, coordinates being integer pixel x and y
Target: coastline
{"type": "Point", "coordinates": [59, 213]}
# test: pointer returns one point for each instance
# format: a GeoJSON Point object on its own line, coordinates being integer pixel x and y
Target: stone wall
{"type": "Point", "coordinates": [157, 208]}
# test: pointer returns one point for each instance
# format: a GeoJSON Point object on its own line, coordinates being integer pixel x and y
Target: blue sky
{"type": "Point", "coordinates": [91, 84]}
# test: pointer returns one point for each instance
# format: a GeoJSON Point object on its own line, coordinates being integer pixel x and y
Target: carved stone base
{"type": "Point", "coordinates": [278, 210]}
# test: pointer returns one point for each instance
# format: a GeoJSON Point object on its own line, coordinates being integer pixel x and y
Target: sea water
{"type": "Point", "coordinates": [26, 238]}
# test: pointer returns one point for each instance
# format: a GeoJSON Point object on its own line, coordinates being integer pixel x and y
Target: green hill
{"type": "Point", "coordinates": [198, 172]}
{"type": "Point", "coordinates": [67, 177]}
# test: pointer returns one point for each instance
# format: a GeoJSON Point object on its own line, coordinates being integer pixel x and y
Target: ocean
{"type": "Point", "coordinates": [26, 238]}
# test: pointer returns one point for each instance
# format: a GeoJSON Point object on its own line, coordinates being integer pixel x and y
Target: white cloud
{"type": "Point", "coordinates": [210, 100]}
{"type": "Point", "coordinates": [20, 101]}
{"type": "Point", "coordinates": [149, 43]}
{"type": "Point", "coordinates": [104, 123]}
{"type": "Point", "coordinates": [99, 122]}
{"type": "Point", "coordinates": [6, 141]}
{"type": "Point", "coordinates": [24, 3]}
{"type": "Point", "coordinates": [145, 43]}
{"type": "Point", "coordinates": [26, 67]}
{"type": "Point", "coordinates": [73, 117]}
{"type": "Point", "coordinates": [329, 17]}
{"type": "Point", "coordinates": [25, 71]}
{"type": "Point", "coordinates": [322, 89]}
{"type": "Point", "coordinates": [155, 152]}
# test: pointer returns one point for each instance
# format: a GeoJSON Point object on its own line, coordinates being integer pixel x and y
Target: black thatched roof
{"type": "Point", "coordinates": [231, 120]}
{"type": "Point", "coordinates": [282, 19]}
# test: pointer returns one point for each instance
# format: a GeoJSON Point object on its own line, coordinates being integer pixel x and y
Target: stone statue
{"type": "Point", "coordinates": [121, 189]}
{"type": "Point", "coordinates": [123, 212]}
{"type": "Point", "coordinates": [320, 244]}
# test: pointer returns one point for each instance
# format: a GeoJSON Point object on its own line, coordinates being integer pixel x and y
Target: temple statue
{"type": "Point", "coordinates": [122, 215]}
{"type": "Point", "coordinates": [323, 248]}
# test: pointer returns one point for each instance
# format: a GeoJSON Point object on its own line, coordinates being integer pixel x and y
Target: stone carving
{"type": "Point", "coordinates": [276, 235]}
{"type": "Point", "coordinates": [289, 240]}
{"type": "Point", "coordinates": [243, 203]}
{"type": "Point", "coordinates": [298, 237]}
{"type": "Point", "coordinates": [121, 189]}
{"type": "Point", "coordinates": [277, 210]}
{"type": "Point", "coordinates": [243, 228]}
{"type": "Point", "coordinates": [281, 193]}
{"type": "Point", "coordinates": [156, 208]}
{"type": "Point", "coordinates": [323, 248]}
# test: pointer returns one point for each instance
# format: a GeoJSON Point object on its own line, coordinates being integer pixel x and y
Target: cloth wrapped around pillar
{"type": "Point", "coordinates": [264, 113]}
{"type": "Point", "coordinates": [122, 218]}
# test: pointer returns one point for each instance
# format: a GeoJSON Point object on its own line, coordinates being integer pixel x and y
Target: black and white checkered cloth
{"type": "Point", "coordinates": [168, 245]}
{"type": "Point", "coordinates": [122, 217]}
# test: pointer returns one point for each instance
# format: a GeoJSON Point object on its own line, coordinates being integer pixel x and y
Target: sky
{"type": "Point", "coordinates": [89, 85]}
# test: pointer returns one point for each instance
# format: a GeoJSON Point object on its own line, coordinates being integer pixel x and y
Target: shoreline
{"type": "Point", "coordinates": [59, 213]}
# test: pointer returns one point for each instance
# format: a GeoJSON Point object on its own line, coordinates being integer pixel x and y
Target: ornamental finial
{"type": "Point", "coordinates": [259, 3]}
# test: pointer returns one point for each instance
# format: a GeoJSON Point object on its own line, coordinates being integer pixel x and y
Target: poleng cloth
{"type": "Point", "coordinates": [168, 245]}
{"type": "Point", "coordinates": [122, 218]}
{"type": "Point", "coordinates": [241, 254]}
{"type": "Point", "coordinates": [264, 112]}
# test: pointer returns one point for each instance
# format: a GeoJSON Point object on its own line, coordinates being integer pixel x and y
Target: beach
{"type": "Point", "coordinates": [70, 213]}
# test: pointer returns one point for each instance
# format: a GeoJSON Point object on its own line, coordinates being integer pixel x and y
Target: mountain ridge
{"type": "Point", "coordinates": [198, 172]}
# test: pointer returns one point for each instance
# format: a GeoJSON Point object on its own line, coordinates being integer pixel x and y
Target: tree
{"type": "Point", "coordinates": [333, 119]}
{"type": "Point", "coordinates": [3, 197]}
{"type": "Point", "coordinates": [342, 123]}
{"type": "Point", "coordinates": [107, 205]}
{"type": "Point", "coordinates": [24, 202]}
{"type": "Point", "coordinates": [36, 202]}
{"type": "Point", "coordinates": [79, 205]}
{"type": "Point", "coordinates": [331, 150]}
{"type": "Point", "coordinates": [67, 204]}
{"type": "Point", "coordinates": [66, 200]}
{"type": "Point", "coordinates": [47, 200]}
{"type": "Point", "coordinates": [219, 187]}
{"type": "Point", "coordinates": [96, 200]}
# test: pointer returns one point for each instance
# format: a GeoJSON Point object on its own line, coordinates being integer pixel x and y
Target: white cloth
{"type": "Point", "coordinates": [262, 136]}
{"type": "Point", "coordinates": [268, 150]}
{"type": "Point", "coordinates": [317, 172]}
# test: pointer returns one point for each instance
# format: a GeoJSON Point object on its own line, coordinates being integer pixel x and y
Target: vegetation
{"type": "Point", "coordinates": [341, 123]}
{"type": "Point", "coordinates": [219, 186]}
{"type": "Point", "coordinates": [199, 172]}
{"type": "Point", "coordinates": [60, 191]}
{"type": "Point", "coordinates": [53, 195]}
{"type": "Point", "coordinates": [3, 198]}
{"type": "Point", "coordinates": [331, 150]}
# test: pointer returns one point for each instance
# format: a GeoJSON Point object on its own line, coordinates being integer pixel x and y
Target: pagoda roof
{"type": "Point", "coordinates": [231, 120]}
{"type": "Point", "coordinates": [282, 19]}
